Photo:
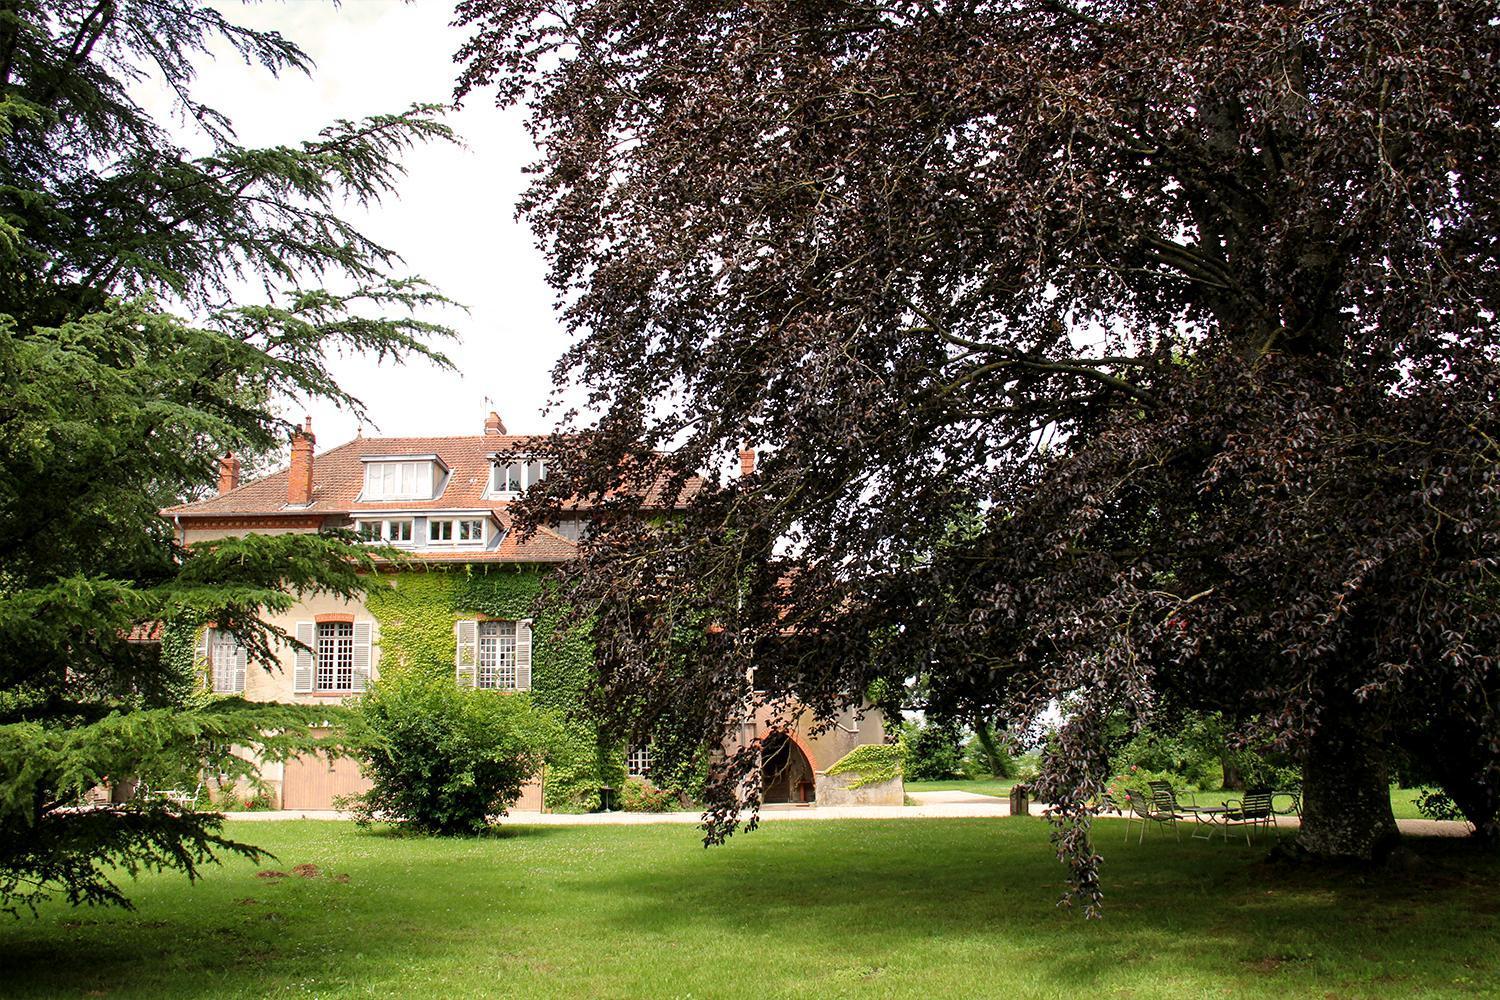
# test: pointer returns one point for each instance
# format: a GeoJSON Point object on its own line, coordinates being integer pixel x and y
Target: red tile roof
{"type": "Point", "coordinates": [339, 476]}
{"type": "Point", "coordinates": [338, 479]}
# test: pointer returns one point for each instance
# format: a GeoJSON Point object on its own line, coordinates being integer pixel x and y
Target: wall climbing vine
{"type": "Point", "coordinates": [416, 610]}
{"type": "Point", "coordinates": [871, 763]}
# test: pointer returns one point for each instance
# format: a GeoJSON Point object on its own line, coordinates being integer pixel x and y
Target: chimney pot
{"type": "Point", "coordinates": [493, 424]}
{"type": "Point", "coordinates": [747, 461]}
{"type": "Point", "coordinates": [299, 482]}
{"type": "Point", "coordinates": [229, 473]}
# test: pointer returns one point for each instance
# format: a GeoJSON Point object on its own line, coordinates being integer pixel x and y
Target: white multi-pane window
{"type": "Point", "coordinates": [335, 650]}
{"type": "Point", "coordinates": [516, 477]}
{"type": "Point", "coordinates": [226, 663]}
{"type": "Point", "coordinates": [465, 531]}
{"type": "Point", "coordinates": [497, 656]}
{"type": "Point", "coordinates": [638, 761]}
{"type": "Point", "coordinates": [405, 480]}
{"type": "Point", "coordinates": [396, 531]}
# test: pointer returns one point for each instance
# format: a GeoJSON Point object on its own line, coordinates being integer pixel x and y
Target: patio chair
{"type": "Point", "coordinates": [1165, 796]}
{"type": "Point", "coordinates": [179, 797]}
{"type": "Point", "coordinates": [1252, 812]}
{"type": "Point", "coordinates": [1286, 804]}
{"type": "Point", "coordinates": [1146, 812]}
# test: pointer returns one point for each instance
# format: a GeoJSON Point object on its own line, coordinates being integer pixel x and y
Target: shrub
{"type": "Point", "coordinates": [934, 751]}
{"type": "Point", "coordinates": [987, 755]}
{"type": "Point", "coordinates": [1194, 750]}
{"type": "Point", "coordinates": [241, 798]}
{"type": "Point", "coordinates": [638, 796]}
{"type": "Point", "coordinates": [443, 759]}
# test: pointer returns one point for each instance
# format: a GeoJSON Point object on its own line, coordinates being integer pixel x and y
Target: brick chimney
{"type": "Point", "coordinates": [300, 481]}
{"type": "Point", "coordinates": [747, 461]}
{"type": "Point", "coordinates": [229, 473]}
{"type": "Point", "coordinates": [493, 424]}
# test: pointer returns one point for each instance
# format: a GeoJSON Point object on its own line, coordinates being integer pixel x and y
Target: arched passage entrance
{"type": "Point", "coordinates": [787, 770]}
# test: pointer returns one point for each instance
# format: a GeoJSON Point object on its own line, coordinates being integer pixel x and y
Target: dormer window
{"type": "Point", "coordinates": [509, 478]}
{"type": "Point", "coordinates": [391, 531]}
{"type": "Point", "coordinates": [455, 531]}
{"type": "Point", "coordinates": [404, 477]}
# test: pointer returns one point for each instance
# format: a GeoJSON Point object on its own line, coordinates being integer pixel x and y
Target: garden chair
{"type": "Point", "coordinates": [1146, 812]}
{"type": "Point", "coordinates": [179, 797]}
{"type": "Point", "coordinates": [1252, 812]}
{"type": "Point", "coordinates": [1164, 797]}
{"type": "Point", "coordinates": [1286, 804]}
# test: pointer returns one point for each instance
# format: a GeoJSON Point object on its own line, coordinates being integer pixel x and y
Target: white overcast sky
{"type": "Point", "coordinates": [452, 219]}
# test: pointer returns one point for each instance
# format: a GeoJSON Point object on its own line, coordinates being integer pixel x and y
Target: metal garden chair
{"type": "Point", "coordinates": [1253, 812]}
{"type": "Point", "coordinates": [1146, 812]}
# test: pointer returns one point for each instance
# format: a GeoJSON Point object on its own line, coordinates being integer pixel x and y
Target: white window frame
{"type": "Point", "coordinates": [497, 665]}
{"type": "Point", "coordinates": [463, 531]}
{"type": "Point", "coordinates": [226, 659]}
{"type": "Point", "coordinates": [529, 472]}
{"type": "Point", "coordinates": [386, 531]}
{"type": "Point", "coordinates": [638, 760]}
{"type": "Point", "coordinates": [401, 478]}
{"type": "Point", "coordinates": [334, 657]}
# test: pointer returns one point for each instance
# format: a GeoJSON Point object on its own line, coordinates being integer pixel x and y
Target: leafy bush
{"type": "Point", "coordinates": [1027, 767]}
{"type": "Point", "coordinates": [1195, 751]}
{"type": "Point", "coordinates": [1434, 803]}
{"type": "Point", "coordinates": [239, 797]}
{"type": "Point", "coordinates": [443, 759]}
{"type": "Point", "coordinates": [638, 796]}
{"type": "Point", "coordinates": [934, 751]}
{"type": "Point", "coordinates": [1138, 780]}
{"type": "Point", "coordinates": [988, 756]}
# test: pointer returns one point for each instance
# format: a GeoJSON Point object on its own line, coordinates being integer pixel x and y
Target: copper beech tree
{"type": "Point", "coordinates": [1112, 355]}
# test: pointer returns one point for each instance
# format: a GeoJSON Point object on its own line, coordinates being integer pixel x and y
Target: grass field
{"type": "Point", "coordinates": [937, 908]}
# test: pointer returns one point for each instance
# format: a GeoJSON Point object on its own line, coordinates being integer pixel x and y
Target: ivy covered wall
{"type": "Point", "coordinates": [416, 610]}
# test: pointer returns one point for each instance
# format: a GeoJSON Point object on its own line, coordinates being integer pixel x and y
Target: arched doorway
{"type": "Point", "coordinates": [787, 771]}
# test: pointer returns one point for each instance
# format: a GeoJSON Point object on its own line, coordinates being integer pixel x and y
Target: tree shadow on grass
{"type": "Point", "coordinates": [791, 906]}
{"type": "Point", "coordinates": [1197, 912]}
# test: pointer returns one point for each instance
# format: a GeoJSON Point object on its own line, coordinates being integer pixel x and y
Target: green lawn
{"type": "Point", "coordinates": [936, 908]}
{"type": "Point", "coordinates": [982, 786]}
{"type": "Point", "coordinates": [1403, 800]}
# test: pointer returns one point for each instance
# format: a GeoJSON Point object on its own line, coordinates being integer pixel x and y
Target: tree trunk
{"type": "Point", "coordinates": [1233, 780]}
{"type": "Point", "coordinates": [1346, 796]}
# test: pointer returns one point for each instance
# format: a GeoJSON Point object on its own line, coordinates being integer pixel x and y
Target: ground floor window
{"type": "Point", "coordinates": [335, 669]}
{"type": "Point", "coordinates": [638, 761]}
{"type": "Point", "coordinates": [226, 663]}
{"type": "Point", "coordinates": [497, 656]}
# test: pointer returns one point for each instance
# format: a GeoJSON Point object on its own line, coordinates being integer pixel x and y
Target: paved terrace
{"type": "Point", "coordinates": [929, 805]}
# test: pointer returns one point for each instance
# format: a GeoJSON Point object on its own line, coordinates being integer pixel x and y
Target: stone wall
{"type": "Point", "coordinates": [836, 790]}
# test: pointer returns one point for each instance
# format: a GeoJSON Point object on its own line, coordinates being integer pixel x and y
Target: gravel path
{"type": "Point", "coordinates": [930, 805]}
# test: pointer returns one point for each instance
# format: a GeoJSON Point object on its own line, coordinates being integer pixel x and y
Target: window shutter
{"type": "Point", "coordinates": [302, 677]}
{"type": "Point", "coordinates": [466, 650]}
{"type": "Point", "coordinates": [523, 655]}
{"type": "Point", "coordinates": [203, 659]}
{"type": "Point", "coordinates": [241, 659]}
{"type": "Point", "coordinates": [364, 634]}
